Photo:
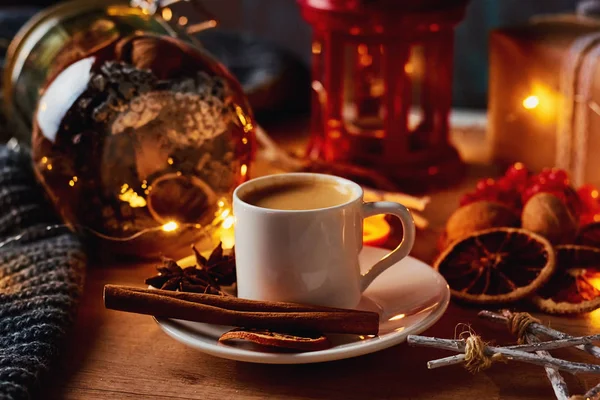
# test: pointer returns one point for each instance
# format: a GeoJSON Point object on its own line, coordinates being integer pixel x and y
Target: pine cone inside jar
{"type": "Point", "coordinates": [157, 134]}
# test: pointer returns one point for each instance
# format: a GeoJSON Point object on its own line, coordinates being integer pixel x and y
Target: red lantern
{"type": "Point", "coordinates": [382, 80]}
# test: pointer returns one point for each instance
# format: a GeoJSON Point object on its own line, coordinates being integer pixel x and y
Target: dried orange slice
{"type": "Point", "coordinates": [575, 286]}
{"type": "Point", "coordinates": [497, 265]}
{"type": "Point", "coordinates": [264, 337]}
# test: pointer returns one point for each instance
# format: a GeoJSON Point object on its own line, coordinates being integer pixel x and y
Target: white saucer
{"type": "Point", "coordinates": [410, 297]}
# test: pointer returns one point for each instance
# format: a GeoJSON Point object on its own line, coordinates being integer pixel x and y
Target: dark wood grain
{"type": "Point", "coordinates": [114, 355]}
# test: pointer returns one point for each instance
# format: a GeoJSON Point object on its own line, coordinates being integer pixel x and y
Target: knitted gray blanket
{"type": "Point", "coordinates": [41, 276]}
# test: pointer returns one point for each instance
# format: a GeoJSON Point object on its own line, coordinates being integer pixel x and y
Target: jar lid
{"type": "Point", "coordinates": [29, 35]}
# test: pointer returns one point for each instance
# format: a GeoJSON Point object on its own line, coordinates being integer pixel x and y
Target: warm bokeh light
{"type": "Point", "coordinates": [594, 281]}
{"type": "Point", "coordinates": [531, 102]}
{"type": "Point", "coordinates": [244, 120]}
{"type": "Point", "coordinates": [594, 318]}
{"type": "Point", "coordinates": [376, 230]}
{"type": "Point", "coordinates": [170, 226]}
{"type": "Point", "coordinates": [244, 170]}
{"type": "Point", "coordinates": [228, 223]}
{"type": "Point", "coordinates": [316, 48]}
{"type": "Point", "coordinates": [397, 317]}
{"type": "Point", "coordinates": [167, 14]}
{"type": "Point", "coordinates": [183, 21]}
{"type": "Point", "coordinates": [131, 197]}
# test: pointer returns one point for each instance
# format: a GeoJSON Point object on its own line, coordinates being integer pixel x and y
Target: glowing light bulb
{"type": "Point", "coordinates": [316, 48]}
{"type": "Point", "coordinates": [228, 223]}
{"type": "Point", "coordinates": [531, 102]}
{"type": "Point", "coordinates": [167, 14]}
{"type": "Point", "coordinates": [170, 226]}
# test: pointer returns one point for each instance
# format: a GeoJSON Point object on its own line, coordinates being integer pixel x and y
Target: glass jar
{"type": "Point", "coordinates": [138, 135]}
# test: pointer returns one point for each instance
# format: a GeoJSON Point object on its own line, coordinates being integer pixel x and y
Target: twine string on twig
{"type": "Point", "coordinates": [476, 358]}
{"type": "Point", "coordinates": [518, 324]}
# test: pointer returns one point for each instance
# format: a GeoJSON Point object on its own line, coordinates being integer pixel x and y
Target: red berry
{"type": "Point", "coordinates": [483, 185]}
{"type": "Point", "coordinates": [517, 173]}
{"type": "Point", "coordinates": [558, 176]}
{"type": "Point", "coordinates": [504, 184]}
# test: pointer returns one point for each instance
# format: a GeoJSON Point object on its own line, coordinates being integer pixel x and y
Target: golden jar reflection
{"type": "Point", "coordinates": [139, 137]}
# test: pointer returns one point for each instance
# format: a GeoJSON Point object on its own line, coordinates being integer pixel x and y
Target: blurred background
{"type": "Point", "coordinates": [278, 23]}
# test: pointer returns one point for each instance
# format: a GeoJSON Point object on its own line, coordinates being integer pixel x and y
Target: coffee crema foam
{"type": "Point", "coordinates": [303, 195]}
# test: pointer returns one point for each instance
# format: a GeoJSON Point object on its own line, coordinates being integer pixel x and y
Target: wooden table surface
{"type": "Point", "coordinates": [114, 355]}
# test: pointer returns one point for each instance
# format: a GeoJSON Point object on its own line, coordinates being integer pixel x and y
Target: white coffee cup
{"type": "Point", "coordinates": [309, 256]}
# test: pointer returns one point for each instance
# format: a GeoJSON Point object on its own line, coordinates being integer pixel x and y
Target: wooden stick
{"type": "Point", "coordinates": [593, 393]}
{"type": "Point", "coordinates": [436, 343]}
{"type": "Point", "coordinates": [446, 361]}
{"type": "Point", "coordinates": [178, 306]}
{"type": "Point", "coordinates": [532, 346]}
{"type": "Point", "coordinates": [555, 344]}
{"type": "Point", "coordinates": [539, 329]}
{"type": "Point", "coordinates": [517, 355]}
{"type": "Point", "coordinates": [561, 391]}
{"type": "Point", "coordinates": [459, 345]}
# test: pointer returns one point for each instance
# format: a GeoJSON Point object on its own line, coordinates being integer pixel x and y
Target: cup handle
{"type": "Point", "coordinates": [408, 226]}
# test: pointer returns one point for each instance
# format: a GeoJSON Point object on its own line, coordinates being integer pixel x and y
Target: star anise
{"type": "Point", "coordinates": [207, 277]}
{"type": "Point", "coordinates": [220, 266]}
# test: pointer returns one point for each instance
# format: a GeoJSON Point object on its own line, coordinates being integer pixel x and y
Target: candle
{"type": "Point", "coordinates": [376, 231]}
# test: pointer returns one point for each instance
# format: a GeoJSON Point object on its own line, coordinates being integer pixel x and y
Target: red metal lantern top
{"type": "Point", "coordinates": [378, 17]}
{"type": "Point", "coordinates": [375, 64]}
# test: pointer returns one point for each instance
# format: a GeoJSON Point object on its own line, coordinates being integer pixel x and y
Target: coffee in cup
{"type": "Point", "coordinates": [301, 195]}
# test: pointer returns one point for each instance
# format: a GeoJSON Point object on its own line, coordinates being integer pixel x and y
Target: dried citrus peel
{"type": "Point", "coordinates": [575, 287]}
{"type": "Point", "coordinates": [497, 265]}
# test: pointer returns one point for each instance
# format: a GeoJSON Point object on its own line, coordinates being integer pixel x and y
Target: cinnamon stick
{"type": "Point", "coordinates": [226, 310]}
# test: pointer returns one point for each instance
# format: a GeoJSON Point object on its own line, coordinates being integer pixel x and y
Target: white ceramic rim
{"type": "Point", "coordinates": [174, 329]}
{"type": "Point", "coordinates": [357, 191]}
